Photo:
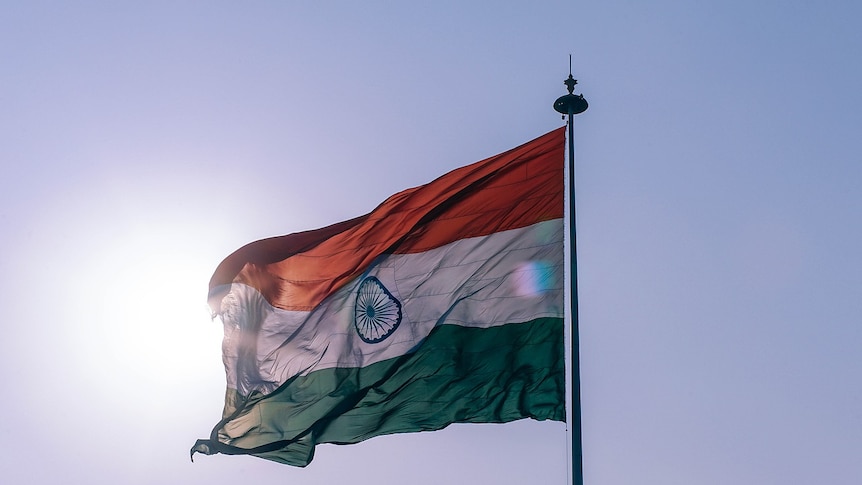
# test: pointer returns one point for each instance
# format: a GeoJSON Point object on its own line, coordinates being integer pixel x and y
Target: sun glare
{"type": "Point", "coordinates": [150, 321]}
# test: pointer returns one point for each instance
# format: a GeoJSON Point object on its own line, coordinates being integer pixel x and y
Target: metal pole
{"type": "Point", "coordinates": [570, 105]}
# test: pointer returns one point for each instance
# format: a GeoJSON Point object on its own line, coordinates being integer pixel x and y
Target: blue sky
{"type": "Point", "coordinates": [719, 227]}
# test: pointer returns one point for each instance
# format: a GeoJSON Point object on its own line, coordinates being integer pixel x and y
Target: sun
{"type": "Point", "coordinates": [147, 318]}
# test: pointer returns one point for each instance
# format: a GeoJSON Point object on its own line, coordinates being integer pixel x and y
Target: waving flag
{"type": "Point", "coordinates": [443, 305]}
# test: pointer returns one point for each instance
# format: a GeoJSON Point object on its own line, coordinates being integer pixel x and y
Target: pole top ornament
{"type": "Point", "coordinates": [571, 104]}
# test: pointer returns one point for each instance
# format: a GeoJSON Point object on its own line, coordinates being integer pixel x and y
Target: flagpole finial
{"type": "Point", "coordinates": [570, 83]}
{"type": "Point", "coordinates": [571, 104]}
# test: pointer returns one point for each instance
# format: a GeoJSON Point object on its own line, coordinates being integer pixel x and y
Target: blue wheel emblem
{"type": "Point", "coordinates": [377, 313]}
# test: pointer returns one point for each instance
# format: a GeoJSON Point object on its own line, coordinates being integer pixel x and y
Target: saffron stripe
{"type": "Point", "coordinates": [514, 189]}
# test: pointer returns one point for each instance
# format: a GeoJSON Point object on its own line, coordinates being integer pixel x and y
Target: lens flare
{"type": "Point", "coordinates": [533, 278]}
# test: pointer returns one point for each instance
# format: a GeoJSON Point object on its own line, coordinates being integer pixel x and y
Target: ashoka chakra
{"type": "Point", "coordinates": [377, 313]}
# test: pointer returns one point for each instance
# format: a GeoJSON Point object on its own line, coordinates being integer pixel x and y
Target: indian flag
{"type": "Point", "coordinates": [443, 305]}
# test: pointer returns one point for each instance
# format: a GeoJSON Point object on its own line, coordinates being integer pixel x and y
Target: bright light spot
{"type": "Point", "coordinates": [534, 278]}
{"type": "Point", "coordinates": [144, 319]}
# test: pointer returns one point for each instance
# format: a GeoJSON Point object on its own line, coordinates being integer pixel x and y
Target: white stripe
{"type": "Point", "coordinates": [507, 277]}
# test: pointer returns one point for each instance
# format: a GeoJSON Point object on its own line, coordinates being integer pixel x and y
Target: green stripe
{"type": "Point", "coordinates": [457, 375]}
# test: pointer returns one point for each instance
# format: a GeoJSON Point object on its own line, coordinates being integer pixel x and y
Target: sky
{"type": "Point", "coordinates": [719, 209]}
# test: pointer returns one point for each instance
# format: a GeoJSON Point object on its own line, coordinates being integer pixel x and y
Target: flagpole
{"type": "Point", "coordinates": [570, 105]}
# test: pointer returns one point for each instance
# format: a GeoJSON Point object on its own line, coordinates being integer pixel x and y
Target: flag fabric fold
{"type": "Point", "coordinates": [443, 305]}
